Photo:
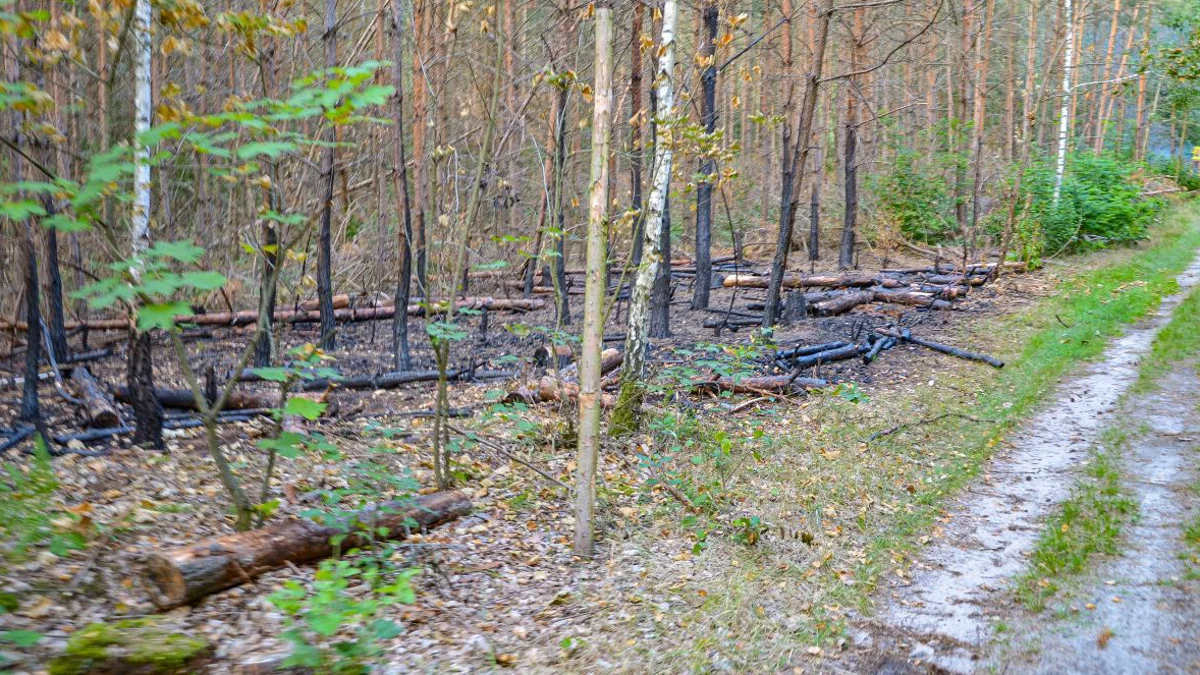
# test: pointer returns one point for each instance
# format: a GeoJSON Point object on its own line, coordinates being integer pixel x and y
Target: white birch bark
{"type": "Point", "coordinates": [140, 219]}
{"type": "Point", "coordinates": [1064, 115]}
{"type": "Point", "coordinates": [594, 288]}
{"type": "Point", "coordinates": [639, 296]}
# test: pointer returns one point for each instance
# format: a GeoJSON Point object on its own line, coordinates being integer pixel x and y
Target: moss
{"type": "Point", "coordinates": [141, 646]}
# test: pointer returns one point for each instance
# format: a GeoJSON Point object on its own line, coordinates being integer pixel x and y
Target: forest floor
{"type": "Point", "coordinates": [849, 526]}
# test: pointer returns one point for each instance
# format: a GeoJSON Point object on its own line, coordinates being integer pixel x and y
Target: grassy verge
{"type": "Point", "coordinates": [1089, 522]}
{"type": "Point", "coordinates": [839, 514]}
{"type": "Point", "coordinates": [843, 514]}
{"type": "Point", "coordinates": [1178, 341]}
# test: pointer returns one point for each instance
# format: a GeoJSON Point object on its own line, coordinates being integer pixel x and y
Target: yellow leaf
{"type": "Point", "coordinates": [725, 40]}
{"type": "Point", "coordinates": [56, 41]}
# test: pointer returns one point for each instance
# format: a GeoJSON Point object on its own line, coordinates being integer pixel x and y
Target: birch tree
{"type": "Point", "coordinates": [147, 410]}
{"type": "Point", "coordinates": [594, 288]}
{"type": "Point", "coordinates": [1064, 106]}
{"type": "Point", "coordinates": [629, 401]}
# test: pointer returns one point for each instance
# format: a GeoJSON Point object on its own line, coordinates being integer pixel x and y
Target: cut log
{"type": "Point", "coordinates": [843, 303]}
{"type": "Point", "coordinates": [939, 347]}
{"type": "Point", "coordinates": [764, 384]}
{"type": "Point", "coordinates": [184, 400]}
{"type": "Point", "coordinates": [98, 407]}
{"type": "Point", "coordinates": [798, 281]}
{"type": "Point", "coordinates": [956, 279]}
{"type": "Point", "coordinates": [610, 360]}
{"type": "Point", "coordinates": [912, 298]}
{"type": "Point", "coordinates": [192, 572]}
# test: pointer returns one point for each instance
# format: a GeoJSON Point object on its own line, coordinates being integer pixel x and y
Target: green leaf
{"type": "Point", "coordinates": [288, 444]}
{"type": "Point", "coordinates": [325, 623]}
{"type": "Point", "coordinates": [306, 408]}
{"type": "Point", "coordinates": [203, 281]}
{"type": "Point", "coordinates": [182, 251]}
{"type": "Point", "coordinates": [272, 374]}
{"type": "Point", "coordinates": [20, 210]}
{"type": "Point", "coordinates": [272, 149]}
{"type": "Point", "coordinates": [21, 638]}
{"type": "Point", "coordinates": [162, 315]}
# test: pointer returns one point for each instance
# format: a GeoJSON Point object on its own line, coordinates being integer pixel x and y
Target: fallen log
{"type": "Point", "coordinates": [810, 349]}
{"type": "Point", "coordinates": [732, 321]}
{"type": "Point", "coordinates": [763, 384]}
{"type": "Point", "coordinates": [185, 400]}
{"type": "Point", "coordinates": [939, 347]}
{"type": "Point", "coordinates": [610, 360]}
{"type": "Point", "coordinates": [843, 303]}
{"type": "Point", "coordinates": [945, 292]}
{"type": "Point", "coordinates": [913, 298]}
{"type": "Point", "coordinates": [798, 281]}
{"type": "Point", "coordinates": [249, 317]}
{"type": "Point", "coordinates": [98, 407]}
{"type": "Point", "coordinates": [839, 354]}
{"type": "Point", "coordinates": [192, 572]}
{"type": "Point", "coordinates": [956, 279]}
{"type": "Point", "coordinates": [878, 346]}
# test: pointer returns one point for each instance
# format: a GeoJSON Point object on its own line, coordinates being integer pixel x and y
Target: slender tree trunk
{"type": "Point", "coordinates": [421, 34]}
{"type": "Point", "coordinates": [559, 235]}
{"type": "Point", "coordinates": [264, 348]}
{"type": "Point", "coordinates": [1064, 110]}
{"type": "Point", "coordinates": [593, 303]}
{"type": "Point", "coordinates": [1139, 149]}
{"type": "Point", "coordinates": [1105, 74]}
{"type": "Point", "coordinates": [637, 119]}
{"type": "Point", "coordinates": [140, 372]}
{"type": "Point", "coordinates": [982, 58]}
{"type": "Point", "coordinates": [328, 339]}
{"type": "Point", "coordinates": [798, 156]}
{"type": "Point", "coordinates": [402, 359]}
{"type": "Point", "coordinates": [626, 416]}
{"type": "Point", "coordinates": [854, 90]}
{"type": "Point", "coordinates": [708, 166]}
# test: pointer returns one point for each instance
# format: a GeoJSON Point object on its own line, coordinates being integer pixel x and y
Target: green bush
{"type": "Point", "coordinates": [915, 199]}
{"type": "Point", "coordinates": [1100, 206]}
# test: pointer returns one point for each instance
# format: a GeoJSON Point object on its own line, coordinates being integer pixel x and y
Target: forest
{"type": "Point", "coordinates": [349, 336]}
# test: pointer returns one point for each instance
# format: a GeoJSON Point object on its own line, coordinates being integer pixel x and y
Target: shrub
{"type": "Point", "coordinates": [916, 200]}
{"type": "Point", "coordinates": [1100, 206]}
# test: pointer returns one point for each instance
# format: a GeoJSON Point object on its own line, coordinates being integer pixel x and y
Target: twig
{"type": "Point", "coordinates": [928, 420]}
{"type": "Point", "coordinates": [496, 447]}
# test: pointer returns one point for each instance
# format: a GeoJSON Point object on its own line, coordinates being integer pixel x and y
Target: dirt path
{"type": "Point", "coordinates": [1144, 619]}
{"type": "Point", "coordinates": [945, 615]}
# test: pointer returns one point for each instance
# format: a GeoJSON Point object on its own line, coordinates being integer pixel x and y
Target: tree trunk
{"type": "Point", "coordinates": [980, 121]}
{"type": "Point", "coordinates": [593, 303]}
{"type": "Point", "coordinates": [402, 360]}
{"type": "Point", "coordinates": [56, 325]}
{"type": "Point", "coordinates": [708, 166]}
{"type": "Point", "coordinates": [192, 572]}
{"type": "Point", "coordinates": [647, 278]}
{"type": "Point", "coordinates": [1064, 109]}
{"type": "Point", "coordinates": [147, 411]}
{"type": "Point", "coordinates": [797, 158]}
{"type": "Point", "coordinates": [850, 147]}
{"type": "Point", "coordinates": [637, 119]}
{"type": "Point", "coordinates": [1106, 75]}
{"type": "Point", "coordinates": [328, 339]}
{"type": "Point", "coordinates": [559, 235]}
{"type": "Point", "coordinates": [30, 410]}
